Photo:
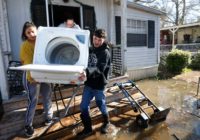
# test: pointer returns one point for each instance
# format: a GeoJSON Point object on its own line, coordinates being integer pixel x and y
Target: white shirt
{"type": "Point", "coordinates": [64, 25]}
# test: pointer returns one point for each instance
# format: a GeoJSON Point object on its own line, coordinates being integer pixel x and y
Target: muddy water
{"type": "Point", "coordinates": [182, 123]}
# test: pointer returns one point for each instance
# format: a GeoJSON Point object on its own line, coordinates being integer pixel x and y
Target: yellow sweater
{"type": "Point", "coordinates": [26, 56]}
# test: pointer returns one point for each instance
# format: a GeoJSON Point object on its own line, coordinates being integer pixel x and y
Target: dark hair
{"type": "Point", "coordinates": [27, 24]}
{"type": "Point", "coordinates": [101, 33]}
{"type": "Point", "coordinates": [69, 17]}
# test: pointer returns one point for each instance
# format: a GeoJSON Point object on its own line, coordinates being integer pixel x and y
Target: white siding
{"type": "Point", "coordinates": [18, 13]}
{"type": "Point", "coordinates": [141, 56]}
{"type": "Point", "coordinates": [143, 72]}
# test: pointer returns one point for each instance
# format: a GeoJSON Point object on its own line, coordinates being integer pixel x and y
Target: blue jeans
{"type": "Point", "coordinates": [88, 95]}
{"type": "Point", "coordinates": [33, 91]}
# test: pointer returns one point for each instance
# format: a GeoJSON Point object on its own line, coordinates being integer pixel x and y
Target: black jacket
{"type": "Point", "coordinates": [98, 67]}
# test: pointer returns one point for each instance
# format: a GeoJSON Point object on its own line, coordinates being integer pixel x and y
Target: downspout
{"type": "Point", "coordinates": [47, 12]}
{"type": "Point", "coordinates": [81, 11]}
{"type": "Point", "coordinates": [4, 41]}
{"type": "Point", "coordinates": [6, 48]}
{"type": "Point", "coordinates": [52, 14]}
{"type": "Point", "coordinates": [158, 40]}
{"type": "Point", "coordinates": [111, 20]}
{"type": "Point", "coordinates": [124, 35]}
{"type": "Point", "coordinates": [3, 83]}
{"type": "Point", "coordinates": [7, 52]}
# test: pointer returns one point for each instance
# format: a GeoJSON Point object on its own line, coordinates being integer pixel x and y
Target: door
{"type": "Point", "coordinates": [57, 13]}
{"type": "Point", "coordinates": [89, 19]}
{"type": "Point", "coordinates": [61, 13]}
{"type": "Point", "coordinates": [38, 12]}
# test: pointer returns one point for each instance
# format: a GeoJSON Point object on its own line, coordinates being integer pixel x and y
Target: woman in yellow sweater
{"type": "Point", "coordinates": [33, 88]}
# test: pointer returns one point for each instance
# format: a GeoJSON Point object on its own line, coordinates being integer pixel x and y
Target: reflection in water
{"type": "Point", "coordinates": [183, 120]}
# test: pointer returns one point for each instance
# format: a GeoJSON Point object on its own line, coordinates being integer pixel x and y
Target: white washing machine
{"type": "Point", "coordinates": [60, 55]}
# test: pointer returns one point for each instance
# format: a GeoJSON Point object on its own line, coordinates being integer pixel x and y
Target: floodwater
{"type": "Point", "coordinates": [182, 123]}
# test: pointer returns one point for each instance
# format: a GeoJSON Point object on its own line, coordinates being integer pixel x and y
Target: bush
{"type": "Point", "coordinates": [177, 60]}
{"type": "Point", "coordinates": [195, 62]}
{"type": "Point", "coordinates": [163, 73]}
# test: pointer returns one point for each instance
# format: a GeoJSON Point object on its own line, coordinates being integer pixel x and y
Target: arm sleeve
{"type": "Point", "coordinates": [26, 56]}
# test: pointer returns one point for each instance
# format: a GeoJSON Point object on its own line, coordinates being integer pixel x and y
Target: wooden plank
{"type": "Point", "coordinates": [14, 121]}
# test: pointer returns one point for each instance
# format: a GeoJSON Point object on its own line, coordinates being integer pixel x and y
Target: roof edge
{"type": "Point", "coordinates": [148, 9]}
{"type": "Point", "coordinates": [181, 26]}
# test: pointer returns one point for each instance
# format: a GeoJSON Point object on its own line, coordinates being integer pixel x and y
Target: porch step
{"type": "Point", "coordinates": [68, 125]}
{"type": "Point", "coordinates": [20, 101]}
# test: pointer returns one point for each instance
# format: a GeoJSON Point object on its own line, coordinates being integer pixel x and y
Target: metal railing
{"type": "Point", "coordinates": [193, 48]}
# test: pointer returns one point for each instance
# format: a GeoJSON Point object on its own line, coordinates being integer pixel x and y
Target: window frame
{"type": "Point", "coordinates": [139, 27]}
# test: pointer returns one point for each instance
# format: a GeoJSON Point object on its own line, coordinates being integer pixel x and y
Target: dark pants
{"type": "Point", "coordinates": [33, 91]}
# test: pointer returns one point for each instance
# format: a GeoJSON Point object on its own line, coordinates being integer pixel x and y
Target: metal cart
{"type": "Point", "coordinates": [143, 119]}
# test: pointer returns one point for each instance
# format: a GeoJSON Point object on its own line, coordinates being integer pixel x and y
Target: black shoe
{"type": "Point", "coordinates": [85, 132]}
{"type": "Point", "coordinates": [48, 122]}
{"type": "Point", "coordinates": [29, 131]}
{"type": "Point", "coordinates": [87, 123]}
{"type": "Point", "coordinates": [104, 128]}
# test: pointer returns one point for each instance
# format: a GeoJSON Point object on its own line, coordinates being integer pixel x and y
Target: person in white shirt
{"type": "Point", "coordinates": [69, 23]}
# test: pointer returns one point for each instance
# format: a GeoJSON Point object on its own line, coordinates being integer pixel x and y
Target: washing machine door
{"type": "Point", "coordinates": [62, 50]}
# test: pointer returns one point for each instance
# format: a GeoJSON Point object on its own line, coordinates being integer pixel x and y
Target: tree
{"type": "Point", "coordinates": [145, 1]}
{"type": "Point", "coordinates": [178, 12]}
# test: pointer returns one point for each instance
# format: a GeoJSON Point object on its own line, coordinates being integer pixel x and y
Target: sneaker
{"type": "Point", "coordinates": [48, 122]}
{"type": "Point", "coordinates": [29, 130]}
{"type": "Point", "coordinates": [104, 128]}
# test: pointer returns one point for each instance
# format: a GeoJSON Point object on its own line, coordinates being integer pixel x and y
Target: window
{"type": "Point", "coordinates": [136, 32]}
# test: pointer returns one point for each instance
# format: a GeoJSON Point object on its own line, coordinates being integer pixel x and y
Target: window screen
{"type": "Point", "coordinates": [136, 33]}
